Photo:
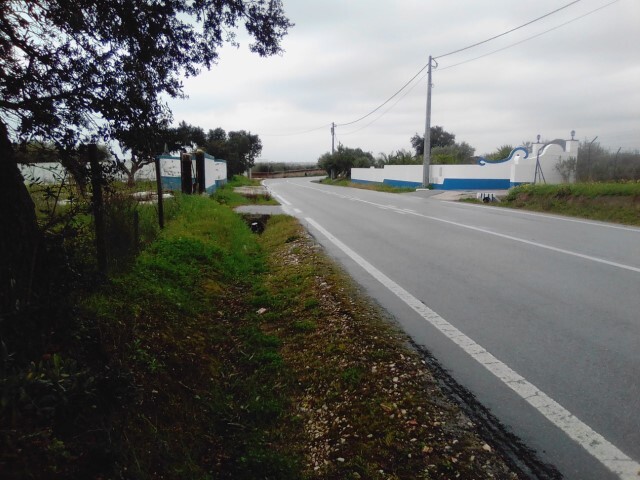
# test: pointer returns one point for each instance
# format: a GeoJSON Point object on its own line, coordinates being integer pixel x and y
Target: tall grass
{"type": "Point", "coordinates": [612, 202]}
{"type": "Point", "coordinates": [180, 325]}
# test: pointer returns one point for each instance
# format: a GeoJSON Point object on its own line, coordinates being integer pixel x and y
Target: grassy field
{"type": "Point", "coordinates": [611, 202]}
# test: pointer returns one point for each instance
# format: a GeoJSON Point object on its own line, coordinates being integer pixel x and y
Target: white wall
{"type": "Point", "coordinates": [399, 173]}
{"type": "Point", "coordinates": [514, 170]}
{"type": "Point", "coordinates": [49, 172]}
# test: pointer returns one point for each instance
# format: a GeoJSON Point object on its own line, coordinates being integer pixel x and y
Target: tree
{"type": "Point", "coordinates": [439, 138]}
{"type": "Point", "coordinates": [242, 149]}
{"type": "Point", "coordinates": [344, 159]}
{"type": "Point", "coordinates": [456, 154]}
{"type": "Point", "coordinates": [500, 154]}
{"type": "Point", "coordinates": [144, 142]}
{"type": "Point", "coordinates": [78, 70]}
{"type": "Point", "coordinates": [567, 169]}
{"type": "Point", "coordinates": [187, 137]}
{"type": "Point", "coordinates": [399, 157]}
{"type": "Point", "coordinates": [216, 143]}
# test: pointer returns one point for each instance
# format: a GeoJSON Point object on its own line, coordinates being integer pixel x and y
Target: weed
{"type": "Point", "coordinates": [352, 376]}
{"type": "Point", "coordinates": [304, 326]}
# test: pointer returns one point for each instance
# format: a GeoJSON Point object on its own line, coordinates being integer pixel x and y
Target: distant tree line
{"type": "Point", "coordinates": [270, 167]}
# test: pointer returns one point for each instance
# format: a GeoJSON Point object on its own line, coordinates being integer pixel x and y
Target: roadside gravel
{"type": "Point", "coordinates": [368, 402]}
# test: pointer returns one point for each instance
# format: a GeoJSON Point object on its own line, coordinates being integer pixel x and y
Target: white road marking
{"type": "Point", "coordinates": [297, 210]}
{"type": "Point", "coordinates": [552, 217]}
{"type": "Point", "coordinates": [594, 443]}
{"type": "Point", "coordinates": [282, 200]}
{"type": "Point", "coordinates": [501, 235]}
{"type": "Point", "coordinates": [535, 244]}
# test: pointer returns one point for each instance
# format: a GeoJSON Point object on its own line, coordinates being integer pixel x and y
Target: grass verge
{"type": "Point", "coordinates": [610, 202]}
{"type": "Point", "coordinates": [363, 404]}
{"type": "Point", "coordinates": [222, 354]}
{"type": "Point", "coordinates": [378, 187]}
{"type": "Point", "coordinates": [242, 190]}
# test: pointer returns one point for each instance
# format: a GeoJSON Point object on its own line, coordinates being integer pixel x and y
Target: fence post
{"type": "Point", "coordinates": [185, 173]}
{"type": "Point", "coordinates": [98, 208]}
{"type": "Point", "coordinates": [200, 171]}
{"type": "Point", "coordinates": [160, 193]}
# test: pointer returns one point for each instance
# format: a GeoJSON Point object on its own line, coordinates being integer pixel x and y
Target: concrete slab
{"type": "Point", "coordinates": [251, 190]}
{"type": "Point", "coordinates": [260, 209]}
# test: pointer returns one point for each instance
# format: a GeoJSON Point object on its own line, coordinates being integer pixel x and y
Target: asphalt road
{"type": "Point", "coordinates": [538, 316]}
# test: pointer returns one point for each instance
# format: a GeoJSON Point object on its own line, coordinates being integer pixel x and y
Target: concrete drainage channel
{"type": "Point", "coordinates": [257, 223]}
{"type": "Point", "coordinates": [256, 216]}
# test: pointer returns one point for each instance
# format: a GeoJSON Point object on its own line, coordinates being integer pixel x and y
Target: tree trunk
{"type": "Point", "coordinates": [20, 234]}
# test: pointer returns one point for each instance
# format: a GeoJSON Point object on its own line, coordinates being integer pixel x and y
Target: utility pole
{"type": "Point", "coordinates": [590, 170]}
{"type": "Point", "coordinates": [333, 138]}
{"type": "Point", "coordinates": [426, 159]}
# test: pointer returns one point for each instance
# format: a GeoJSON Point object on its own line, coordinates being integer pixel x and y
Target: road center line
{"type": "Point", "coordinates": [549, 216]}
{"type": "Point", "coordinates": [496, 234]}
{"type": "Point", "coordinates": [594, 443]}
{"type": "Point", "coordinates": [535, 244]}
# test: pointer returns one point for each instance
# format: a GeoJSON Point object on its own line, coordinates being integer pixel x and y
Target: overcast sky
{"type": "Point", "coordinates": [343, 58]}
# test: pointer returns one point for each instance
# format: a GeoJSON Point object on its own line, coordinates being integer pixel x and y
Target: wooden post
{"type": "Point", "coordinates": [98, 208]}
{"type": "Point", "coordinates": [200, 171]}
{"type": "Point", "coordinates": [160, 193]}
{"type": "Point", "coordinates": [185, 173]}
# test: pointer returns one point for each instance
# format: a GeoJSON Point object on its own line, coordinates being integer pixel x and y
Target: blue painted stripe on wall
{"type": "Point", "coordinates": [474, 184]}
{"type": "Point", "coordinates": [401, 183]}
{"type": "Point", "coordinates": [171, 183]}
{"type": "Point", "coordinates": [174, 183]}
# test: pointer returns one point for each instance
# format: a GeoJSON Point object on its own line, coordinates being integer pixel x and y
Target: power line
{"type": "Point", "coordinates": [385, 102]}
{"type": "Point", "coordinates": [451, 53]}
{"type": "Point", "coordinates": [532, 37]}
{"type": "Point", "coordinates": [296, 133]}
{"type": "Point", "coordinates": [507, 32]}
{"type": "Point", "coordinates": [388, 109]}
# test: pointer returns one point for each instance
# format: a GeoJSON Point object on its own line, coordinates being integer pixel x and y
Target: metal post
{"type": "Point", "coordinates": [426, 158]}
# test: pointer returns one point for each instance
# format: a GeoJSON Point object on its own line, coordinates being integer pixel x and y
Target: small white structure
{"type": "Point", "coordinates": [215, 172]}
{"type": "Point", "coordinates": [521, 166]}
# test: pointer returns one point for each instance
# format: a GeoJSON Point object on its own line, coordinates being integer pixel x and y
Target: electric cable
{"type": "Point", "coordinates": [388, 109]}
{"type": "Point", "coordinates": [530, 38]}
{"type": "Point", "coordinates": [296, 133]}
{"type": "Point", "coordinates": [508, 31]}
{"type": "Point", "coordinates": [386, 101]}
{"type": "Point", "coordinates": [472, 59]}
{"type": "Point", "coordinates": [451, 53]}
